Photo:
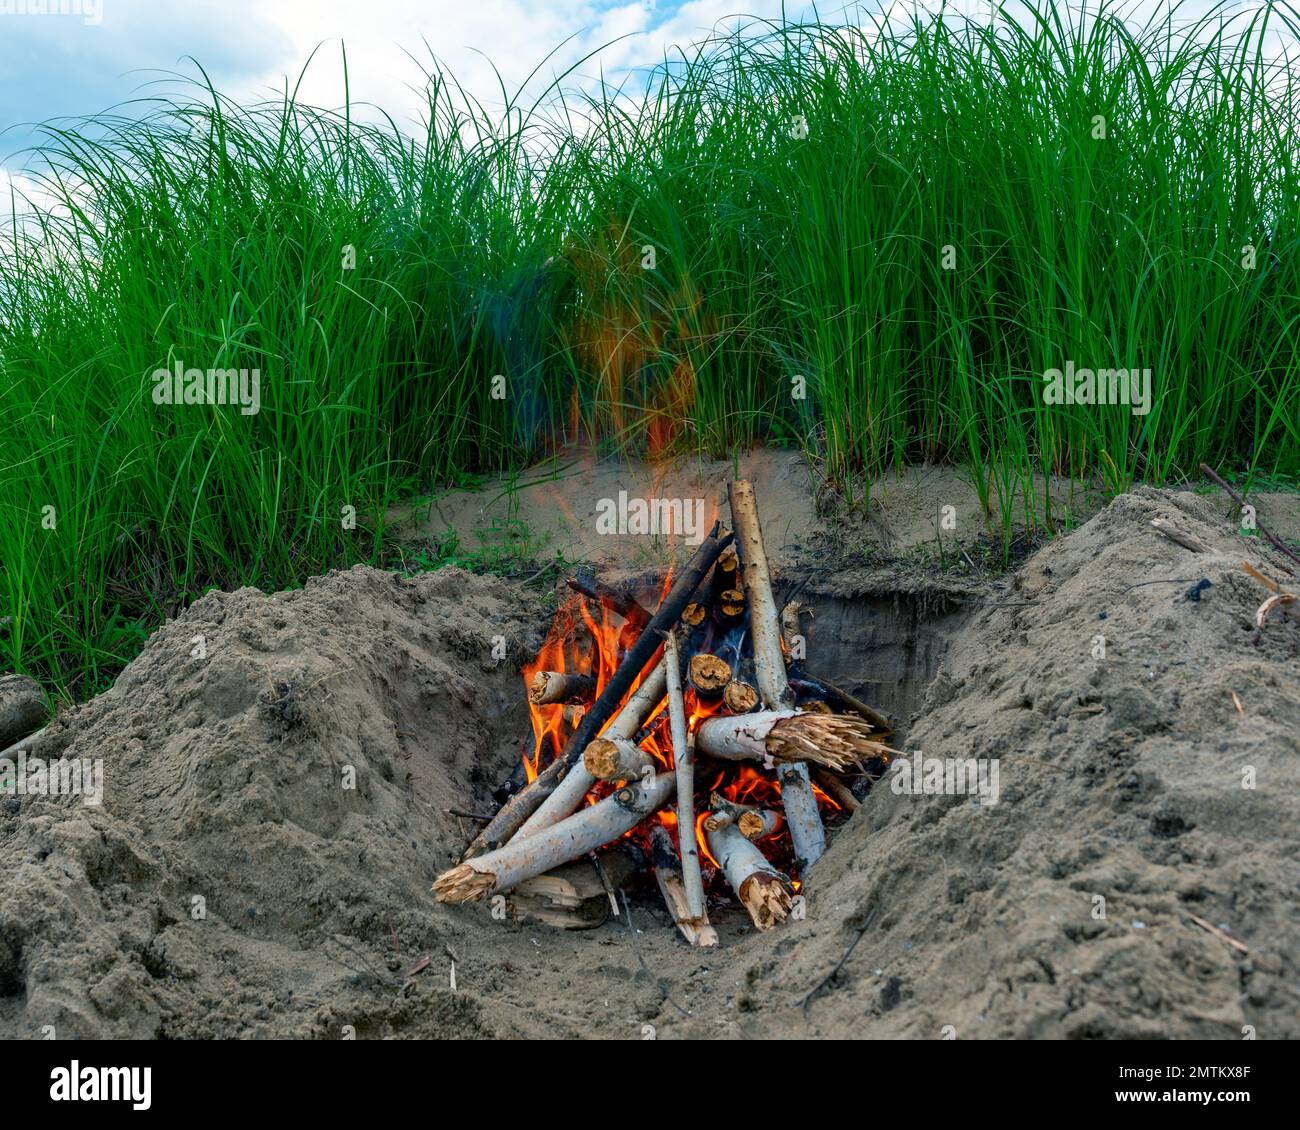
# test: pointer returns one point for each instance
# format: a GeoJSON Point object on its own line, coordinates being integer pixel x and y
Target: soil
{"type": "Point", "coordinates": [232, 885]}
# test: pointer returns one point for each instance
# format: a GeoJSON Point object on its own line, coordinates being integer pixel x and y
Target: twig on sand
{"type": "Point", "coordinates": [1276, 541]}
{"type": "Point", "coordinates": [636, 949]}
{"type": "Point", "coordinates": [1220, 934]}
{"type": "Point", "coordinates": [817, 988]}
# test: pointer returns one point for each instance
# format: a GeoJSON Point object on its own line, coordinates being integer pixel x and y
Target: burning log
{"type": "Point", "coordinates": [740, 697]}
{"type": "Point", "coordinates": [800, 804]}
{"type": "Point", "coordinates": [762, 890]}
{"type": "Point", "coordinates": [726, 575]}
{"type": "Point", "coordinates": [769, 669]}
{"type": "Point", "coordinates": [526, 857]}
{"type": "Point", "coordinates": [834, 740]}
{"type": "Point", "coordinates": [709, 675]}
{"type": "Point", "coordinates": [669, 877]}
{"type": "Point", "coordinates": [694, 614]}
{"type": "Point", "coordinates": [684, 758]}
{"type": "Point", "coordinates": [614, 759]}
{"type": "Point", "coordinates": [559, 686]}
{"type": "Point", "coordinates": [731, 606]}
{"type": "Point", "coordinates": [577, 783]}
{"type": "Point", "coordinates": [523, 804]}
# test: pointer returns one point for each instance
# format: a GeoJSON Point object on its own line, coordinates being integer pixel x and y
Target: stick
{"type": "Point", "coordinates": [762, 890]}
{"type": "Point", "coordinates": [808, 683]}
{"type": "Point", "coordinates": [684, 759]}
{"type": "Point", "coordinates": [524, 803]}
{"type": "Point", "coordinates": [577, 783]}
{"type": "Point", "coordinates": [669, 877]}
{"type": "Point", "coordinates": [529, 856]}
{"type": "Point", "coordinates": [1276, 541]}
{"type": "Point", "coordinates": [817, 988]}
{"type": "Point", "coordinates": [558, 686]}
{"type": "Point", "coordinates": [836, 789]}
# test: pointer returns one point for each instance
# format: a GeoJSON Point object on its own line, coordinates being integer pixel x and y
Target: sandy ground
{"type": "Point", "coordinates": [231, 884]}
{"type": "Point", "coordinates": [555, 508]}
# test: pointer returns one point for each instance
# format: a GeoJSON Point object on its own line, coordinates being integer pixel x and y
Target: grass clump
{"type": "Point", "coordinates": [872, 240]}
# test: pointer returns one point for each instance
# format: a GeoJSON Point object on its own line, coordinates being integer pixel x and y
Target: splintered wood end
{"type": "Point", "coordinates": [767, 899]}
{"type": "Point", "coordinates": [463, 884]}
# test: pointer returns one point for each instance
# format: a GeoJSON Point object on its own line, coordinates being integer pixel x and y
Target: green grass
{"type": "Point", "coordinates": [201, 230]}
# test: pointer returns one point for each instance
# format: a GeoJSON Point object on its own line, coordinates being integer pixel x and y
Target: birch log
{"type": "Point", "coordinates": [800, 804]}
{"type": "Point", "coordinates": [708, 675]}
{"type": "Point", "coordinates": [684, 760]}
{"type": "Point", "coordinates": [528, 856]}
{"type": "Point", "coordinates": [615, 759]}
{"type": "Point", "coordinates": [769, 669]}
{"type": "Point", "coordinates": [724, 812]}
{"type": "Point", "coordinates": [764, 625]}
{"type": "Point", "coordinates": [834, 740]}
{"type": "Point", "coordinates": [559, 686]}
{"type": "Point", "coordinates": [577, 783]}
{"type": "Point", "coordinates": [740, 697]}
{"type": "Point", "coordinates": [760, 888]}
{"type": "Point", "coordinates": [758, 824]}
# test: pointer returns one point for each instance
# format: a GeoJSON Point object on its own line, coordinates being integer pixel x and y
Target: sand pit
{"type": "Point", "coordinates": [230, 885]}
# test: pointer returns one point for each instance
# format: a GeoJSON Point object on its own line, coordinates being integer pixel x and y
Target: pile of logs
{"type": "Point", "coordinates": [632, 771]}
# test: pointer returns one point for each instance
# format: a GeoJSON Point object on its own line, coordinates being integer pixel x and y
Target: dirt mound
{"type": "Point", "coordinates": [1121, 778]}
{"type": "Point", "coordinates": [228, 747]}
{"type": "Point", "coordinates": [231, 885]}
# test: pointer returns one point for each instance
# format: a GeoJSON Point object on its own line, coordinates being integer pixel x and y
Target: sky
{"type": "Point", "coordinates": [104, 53]}
{"type": "Point", "coordinates": [89, 55]}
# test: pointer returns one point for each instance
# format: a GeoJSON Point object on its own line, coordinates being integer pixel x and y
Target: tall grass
{"type": "Point", "coordinates": [950, 225]}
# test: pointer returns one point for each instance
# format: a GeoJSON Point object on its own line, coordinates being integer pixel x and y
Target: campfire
{"type": "Point", "coordinates": [691, 743]}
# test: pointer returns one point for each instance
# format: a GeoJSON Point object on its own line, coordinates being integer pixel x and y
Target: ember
{"type": "Point", "coordinates": [683, 746]}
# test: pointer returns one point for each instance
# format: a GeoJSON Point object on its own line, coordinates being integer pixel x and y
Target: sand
{"type": "Point", "coordinates": [231, 886]}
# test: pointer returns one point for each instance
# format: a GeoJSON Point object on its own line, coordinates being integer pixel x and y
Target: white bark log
{"type": "Point", "coordinates": [801, 815]}
{"type": "Point", "coordinates": [560, 686]}
{"type": "Point", "coordinates": [525, 857]}
{"type": "Point", "coordinates": [616, 759]}
{"type": "Point", "coordinates": [769, 670]}
{"type": "Point", "coordinates": [760, 888]}
{"type": "Point", "coordinates": [758, 824]}
{"type": "Point", "coordinates": [684, 760]}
